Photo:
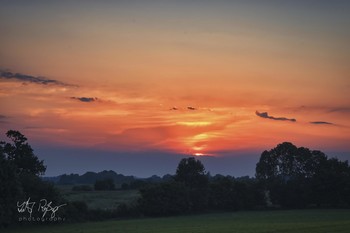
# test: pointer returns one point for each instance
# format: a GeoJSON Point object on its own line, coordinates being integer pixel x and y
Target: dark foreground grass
{"type": "Point", "coordinates": [299, 221]}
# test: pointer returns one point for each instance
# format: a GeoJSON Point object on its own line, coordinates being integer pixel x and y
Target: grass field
{"type": "Point", "coordinates": [99, 199]}
{"type": "Point", "coordinates": [299, 221]}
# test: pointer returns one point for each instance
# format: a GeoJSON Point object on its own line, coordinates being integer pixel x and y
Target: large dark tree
{"type": "Point", "coordinates": [187, 192]}
{"type": "Point", "coordinates": [19, 177]}
{"type": "Point", "coordinates": [297, 177]}
{"type": "Point", "coordinates": [192, 174]}
{"type": "Point", "coordinates": [10, 189]}
{"type": "Point", "coordinates": [21, 154]}
{"type": "Point", "coordinates": [331, 184]}
{"type": "Point", "coordinates": [287, 161]}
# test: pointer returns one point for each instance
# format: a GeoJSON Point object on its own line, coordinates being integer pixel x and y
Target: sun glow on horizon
{"type": "Point", "coordinates": [198, 154]}
{"type": "Point", "coordinates": [195, 123]}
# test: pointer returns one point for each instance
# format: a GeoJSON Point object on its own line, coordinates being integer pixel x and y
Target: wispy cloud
{"type": "Point", "coordinates": [85, 99]}
{"type": "Point", "coordinates": [321, 123]}
{"type": "Point", "coordinates": [7, 75]}
{"type": "Point", "coordinates": [47, 129]}
{"type": "Point", "coordinates": [266, 115]}
{"type": "Point", "coordinates": [340, 109]}
{"type": "Point", "coordinates": [184, 108]}
{"type": "Point", "coordinates": [3, 119]}
{"type": "Point", "coordinates": [328, 109]}
{"type": "Point", "coordinates": [180, 136]}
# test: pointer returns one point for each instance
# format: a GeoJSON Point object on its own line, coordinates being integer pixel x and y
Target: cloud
{"type": "Point", "coordinates": [340, 109]}
{"type": "Point", "coordinates": [188, 108]}
{"type": "Point", "coordinates": [266, 115]}
{"type": "Point", "coordinates": [47, 129]}
{"type": "Point", "coordinates": [6, 75]}
{"type": "Point", "coordinates": [85, 99]}
{"type": "Point", "coordinates": [321, 123]}
{"type": "Point", "coordinates": [182, 136]}
{"type": "Point", "coordinates": [3, 119]}
{"type": "Point", "coordinates": [328, 109]}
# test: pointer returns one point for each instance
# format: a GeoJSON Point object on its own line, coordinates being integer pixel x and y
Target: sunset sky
{"type": "Point", "coordinates": [134, 86]}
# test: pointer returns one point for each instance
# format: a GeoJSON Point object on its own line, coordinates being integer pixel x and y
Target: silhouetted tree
{"type": "Point", "coordinates": [331, 184]}
{"type": "Point", "coordinates": [186, 192]}
{"type": "Point", "coordinates": [191, 173]}
{"type": "Point", "coordinates": [19, 177]}
{"type": "Point", "coordinates": [287, 161]}
{"type": "Point", "coordinates": [10, 190]}
{"type": "Point", "coordinates": [297, 177]}
{"type": "Point", "coordinates": [21, 154]}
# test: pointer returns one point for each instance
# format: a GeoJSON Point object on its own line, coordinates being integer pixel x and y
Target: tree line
{"type": "Point", "coordinates": [286, 177]}
{"type": "Point", "coordinates": [92, 177]}
{"type": "Point", "coordinates": [87, 180]}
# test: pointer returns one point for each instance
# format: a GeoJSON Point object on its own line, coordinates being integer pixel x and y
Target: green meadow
{"type": "Point", "coordinates": [298, 221]}
{"type": "Point", "coordinates": [100, 199]}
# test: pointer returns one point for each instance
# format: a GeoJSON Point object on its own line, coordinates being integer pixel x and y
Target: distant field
{"type": "Point", "coordinates": [299, 221]}
{"type": "Point", "coordinates": [99, 199]}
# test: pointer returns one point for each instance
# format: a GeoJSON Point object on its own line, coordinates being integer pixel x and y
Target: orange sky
{"type": "Point", "coordinates": [180, 78]}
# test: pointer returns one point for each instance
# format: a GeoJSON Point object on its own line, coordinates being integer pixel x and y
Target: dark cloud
{"type": "Point", "coordinates": [188, 108]}
{"type": "Point", "coordinates": [84, 99]}
{"type": "Point", "coordinates": [321, 123]}
{"type": "Point", "coordinates": [266, 115]}
{"type": "Point", "coordinates": [30, 79]}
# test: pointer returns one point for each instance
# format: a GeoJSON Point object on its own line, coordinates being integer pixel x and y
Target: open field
{"type": "Point", "coordinates": [100, 199]}
{"type": "Point", "coordinates": [300, 221]}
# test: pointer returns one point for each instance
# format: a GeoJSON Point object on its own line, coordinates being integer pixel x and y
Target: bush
{"type": "Point", "coordinates": [82, 188]}
{"type": "Point", "coordinates": [164, 199]}
{"type": "Point", "coordinates": [76, 211]}
{"type": "Point", "coordinates": [106, 184]}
